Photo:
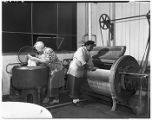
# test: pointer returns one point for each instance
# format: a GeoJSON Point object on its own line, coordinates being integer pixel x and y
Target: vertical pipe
{"type": "Point", "coordinates": [114, 29]}
{"type": "Point", "coordinates": [86, 18]}
{"type": "Point", "coordinates": [109, 33]}
{"type": "Point", "coordinates": [89, 21]}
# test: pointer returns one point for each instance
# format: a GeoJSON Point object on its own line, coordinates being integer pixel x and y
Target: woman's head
{"type": "Point", "coordinates": [89, 45]}
{"type": "Point", "coordinates": [39, 46]}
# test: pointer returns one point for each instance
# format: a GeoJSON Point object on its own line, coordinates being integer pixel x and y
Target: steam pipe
{"type": "Point", "coordinates": [89, 21]}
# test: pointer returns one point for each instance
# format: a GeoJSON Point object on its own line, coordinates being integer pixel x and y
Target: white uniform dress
{"type": "Point", "coordinates": [81, 57]}
{"type": "Point", "coordinates": [76, 70]}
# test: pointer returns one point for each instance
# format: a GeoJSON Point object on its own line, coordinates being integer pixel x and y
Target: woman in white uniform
{"type": "Point", "coordinates": [81, 62]}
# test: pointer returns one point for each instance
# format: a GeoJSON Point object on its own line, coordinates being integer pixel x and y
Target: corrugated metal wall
{"type": "Point", "coordinates": [98, 10]}
{"type": "Point", "coordinates": [133, 33]}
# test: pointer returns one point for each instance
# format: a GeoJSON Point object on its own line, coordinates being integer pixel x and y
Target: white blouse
{"type": "Point", "coordinates": [81, 57]}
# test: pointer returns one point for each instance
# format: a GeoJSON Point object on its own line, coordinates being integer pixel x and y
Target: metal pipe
{"type": "Point", "coordinates": [86, 19]}
{"type": "Point", "coordinates": [134, 74]}
{"type": "Point", "coordinates": [12, 64]}
{"type": "Point", "coordinates": [129, 17]}
{"type": "Point", "coordinates": [89, 21]}
{"type": "Point", "coordinates": [63, 104]}
{"type": "Point", "coordinates": [114, 28]}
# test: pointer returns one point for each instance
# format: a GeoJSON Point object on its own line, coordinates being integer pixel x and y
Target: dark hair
{"type": "Point", "coordinates": [89, 42]}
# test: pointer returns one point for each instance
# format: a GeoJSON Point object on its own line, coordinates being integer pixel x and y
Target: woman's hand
{"type": "Point", "coordinates": [29, 56]}
{"type": "Point", "coordinates": [32, 58]}
{"type": "Point", "coordinates": [53, 71]}
{"type": "Point", "coordinates": [85, 66]}
{"type": "Point", "coordinates": [92, 68]}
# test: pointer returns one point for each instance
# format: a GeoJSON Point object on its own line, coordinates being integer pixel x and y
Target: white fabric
{"type": "Point", "coordinates": [23, 110]}
{"type": "Point", "coordinates": [81, 57]}
{"type": "Point", "coordinates": [31, 63]}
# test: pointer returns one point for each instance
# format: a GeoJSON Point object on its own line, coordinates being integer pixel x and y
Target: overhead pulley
{"type": "Point", "coordinates": [105, 21]}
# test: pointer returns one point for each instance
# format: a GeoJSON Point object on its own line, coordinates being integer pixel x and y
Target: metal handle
{"type": "Point", "coordinates": [10, 65]}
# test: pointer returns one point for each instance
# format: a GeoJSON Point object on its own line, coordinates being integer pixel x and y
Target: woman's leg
{"type": "Point", "coordinates": [53, 87]}
{"type": "Point", "coordinates": [48, 91]}
{"type": "Point", "coordinates": [55, 95]}
{"type": "Point", "coordinates": [74, 85]}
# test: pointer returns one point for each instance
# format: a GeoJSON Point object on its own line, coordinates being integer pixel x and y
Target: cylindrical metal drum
{"type": "Point", "coordinates": [99, 80]}
{"type": "Point", "coordinates": [26, 77]}
{"type": "Point", "coordinates": [112, 82]}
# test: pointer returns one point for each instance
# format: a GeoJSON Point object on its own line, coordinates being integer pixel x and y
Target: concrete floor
{"type": "Point", "coordinates": [93, 110]}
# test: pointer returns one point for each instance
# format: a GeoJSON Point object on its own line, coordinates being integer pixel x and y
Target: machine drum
{"type": "Point", "coordinates": [112, 82]}
{"type": "Point", "coordinates": [124, 86]}
{"type": "Point", "coordinates": [28, 77]}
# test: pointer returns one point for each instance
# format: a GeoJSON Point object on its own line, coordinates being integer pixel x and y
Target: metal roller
{"type": "Point", "coordinates": [99, 81]}
{"type": "Point", "coordinates": [114, 84]}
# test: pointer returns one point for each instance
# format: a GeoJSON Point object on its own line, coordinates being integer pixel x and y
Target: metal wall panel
{"type": "Point", "coordinates": [80, 23]}
{"type": "Point", "coordinates": [102, 35]}
{"type": "Point", "coordinates": [133, 33]}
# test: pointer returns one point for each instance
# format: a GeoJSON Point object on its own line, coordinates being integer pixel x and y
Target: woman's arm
{"type": "Point", "coordinates": [41, 60]}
